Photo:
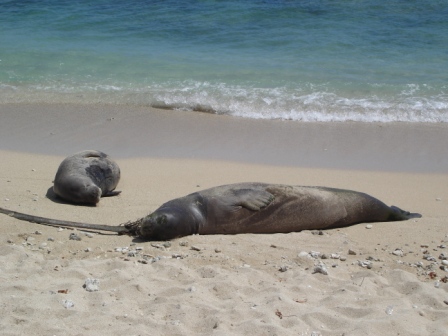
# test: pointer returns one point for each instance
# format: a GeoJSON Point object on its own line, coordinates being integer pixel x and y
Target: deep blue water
{"type": "Point", "coordinates": [302, 60]}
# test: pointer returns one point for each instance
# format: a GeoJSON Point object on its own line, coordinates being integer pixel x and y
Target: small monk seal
{"type": "Point", "coordinates": [248, 208]}
{"type": "Point", "coordinates": [264, 208]}
{"type": "Point", "coordinates": [86, 176]}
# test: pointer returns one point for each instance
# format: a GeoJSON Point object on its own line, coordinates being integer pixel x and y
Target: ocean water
{"type": "Point", "coordinates": [315, 60]}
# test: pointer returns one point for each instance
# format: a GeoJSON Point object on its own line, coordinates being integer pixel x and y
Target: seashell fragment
{"type": "Point", "coordinates": [68, 304]}
{"type": "Point", "coordinates": [321, 268]}
{"type": "Point", "coordinates": [92, 285]}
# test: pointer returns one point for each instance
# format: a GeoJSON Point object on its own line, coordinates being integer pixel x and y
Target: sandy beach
{"type": "Point", "coordinates": [393, 281]}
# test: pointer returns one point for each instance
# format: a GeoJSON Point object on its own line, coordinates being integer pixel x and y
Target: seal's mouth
{"type": "Point", "coordinates": [151, 225]}
{"type": "Point", "coordinates": [133, 228]}
{"type": "Point", "coordinates": [163, 224]}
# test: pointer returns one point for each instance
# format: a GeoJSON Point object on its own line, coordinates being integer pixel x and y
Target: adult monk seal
{"type": "Point", "coordinates": [264, 208]}
{"type": "Point", "coordinates": [249, 208]}
{"type": "Point", "coordinates": [86, 176]}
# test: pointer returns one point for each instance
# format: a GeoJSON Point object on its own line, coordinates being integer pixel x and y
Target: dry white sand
{"type": "Point", "coordinates": [220, 285]}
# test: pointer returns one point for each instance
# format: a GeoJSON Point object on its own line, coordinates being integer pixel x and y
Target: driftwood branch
{"type": "Point", "coordinates": [129, 228]}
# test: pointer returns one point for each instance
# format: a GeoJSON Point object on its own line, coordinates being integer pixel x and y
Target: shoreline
{"type": "Point", "coordinates": [132, 132]}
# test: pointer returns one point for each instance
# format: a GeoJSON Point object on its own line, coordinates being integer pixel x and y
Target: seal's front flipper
{"type": "Point", "coordinates": [112, 193]}
{"type": "Point", "coordinates": [252, 199]}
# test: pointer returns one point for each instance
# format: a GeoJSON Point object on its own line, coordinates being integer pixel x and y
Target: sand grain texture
{"type": "Point", "coordinates": [224, 285]}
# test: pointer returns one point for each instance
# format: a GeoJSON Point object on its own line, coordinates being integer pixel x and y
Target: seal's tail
{"type": "Point", "coordinates": [398, 214]}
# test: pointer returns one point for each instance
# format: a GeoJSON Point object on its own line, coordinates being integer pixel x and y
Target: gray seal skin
{"type": "Point", "coordinates": [264, 208]}
{"type": "Point", "coordinates": [86, 176]}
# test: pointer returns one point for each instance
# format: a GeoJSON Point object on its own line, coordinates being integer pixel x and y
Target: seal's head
{"type": "Point", "coordinates": [92, 194]}
{"type": "Point", "coordinates": [165, 224]}
{"type": "Point", "coordinates": [159, 225]}
{"type": "Point", "coordinates": [89, 193]}
{"type": "Point", "coordinates": [76, 192]}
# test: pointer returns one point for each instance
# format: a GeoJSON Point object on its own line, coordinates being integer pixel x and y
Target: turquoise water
{"type": "Point", "coordinates": [300, 60]}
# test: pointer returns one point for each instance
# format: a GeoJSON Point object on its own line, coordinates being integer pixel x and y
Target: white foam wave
{"type": "Point", "coordinates": [309, 103]}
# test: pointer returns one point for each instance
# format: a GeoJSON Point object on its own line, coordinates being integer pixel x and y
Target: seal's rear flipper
{"type": "Point", "coordinates": [112, 193]}
{"type": "Point", "coordinates": [399, 214]}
